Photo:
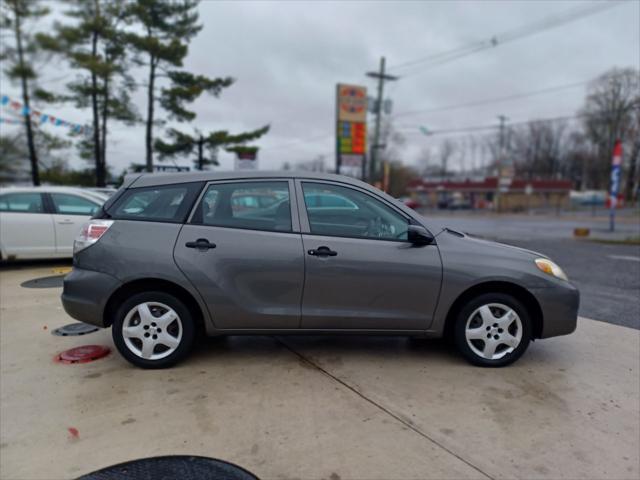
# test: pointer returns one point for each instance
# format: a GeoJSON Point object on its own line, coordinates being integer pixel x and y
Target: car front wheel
{"type": "Point", "coordinates": [493, 330]}
{"type": "Point", "coordinates": [153, 330]}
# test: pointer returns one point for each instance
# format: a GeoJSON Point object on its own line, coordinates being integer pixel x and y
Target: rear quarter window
{"type": "Point", "coordinates": [165, 203]}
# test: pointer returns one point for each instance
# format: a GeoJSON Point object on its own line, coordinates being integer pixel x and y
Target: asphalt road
{"type": "Point", "coordinates": [607, 275]}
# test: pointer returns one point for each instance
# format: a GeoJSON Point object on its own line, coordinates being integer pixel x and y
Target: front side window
{"type": "Point", "coordinates": [73, 204]}
{"type": "Point", "coordinates": [248, 205]}
{"type": "Point", "coordinates": [21, 202]}
{"type": "Point", "coordinates": [345, 212]}
{"type": "Point", "coordinates": [166, 203]}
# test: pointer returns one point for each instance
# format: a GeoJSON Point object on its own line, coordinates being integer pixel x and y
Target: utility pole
{"type": "Point", "coordinates": [500, 162]}
{"type": "Point", "coordinates": [381, 76]}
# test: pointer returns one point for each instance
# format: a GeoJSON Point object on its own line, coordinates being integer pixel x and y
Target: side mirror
{"type": "Point", "coordinates": [419, 235]}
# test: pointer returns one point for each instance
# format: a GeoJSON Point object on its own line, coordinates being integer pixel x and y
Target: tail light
{"type": "Point", "coordinates": [90, 234]}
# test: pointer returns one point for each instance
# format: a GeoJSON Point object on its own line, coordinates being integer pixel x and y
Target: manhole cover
{"type": "Point", "coordinates": [53, 281]}
{"type": "Point", "coordinates": [181, 467]}
{"type": "Point", "coordinates": [74, 329]}
{"type": "Point", "coordinates": [83, 354]}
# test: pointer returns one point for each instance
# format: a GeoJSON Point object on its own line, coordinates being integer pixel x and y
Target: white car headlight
{"type": "Point", "coordinates": [547, 266]}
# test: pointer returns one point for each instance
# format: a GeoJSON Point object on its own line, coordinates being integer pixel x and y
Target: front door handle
{"type": "Point", "coordinates": [200, 244]}
{"type": "Point", "coordinates": [322, 252]}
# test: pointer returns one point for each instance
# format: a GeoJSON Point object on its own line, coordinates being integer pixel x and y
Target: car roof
{"type": "Point", "coordinates": [156, 179]}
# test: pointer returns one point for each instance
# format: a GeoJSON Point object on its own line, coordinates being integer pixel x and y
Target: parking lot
{"type": "Point", "coordinates": [316, 407]}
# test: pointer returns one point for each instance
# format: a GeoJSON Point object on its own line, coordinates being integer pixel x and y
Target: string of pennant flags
{"type": "Point", "coordinates": [40, 117]}
{"type": "Point", "coordinates": [10, 121]}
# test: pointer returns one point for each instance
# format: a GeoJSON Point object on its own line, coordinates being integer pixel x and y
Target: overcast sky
{"type": "Point", "coordinates": [288, 56]}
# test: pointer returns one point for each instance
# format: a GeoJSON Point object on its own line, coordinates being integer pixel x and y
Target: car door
{"type": "Point", "coordinates": [26, 228]}
{"type": "Point", "coordinates": [361, 272]}
{"type": "Point", "coordinates": [247, 263]}
{"type": "Point", "coordinates": [70, 212]}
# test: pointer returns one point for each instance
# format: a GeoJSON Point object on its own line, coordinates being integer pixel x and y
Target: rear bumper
{"type": "Point", "coordinates": [559, 306]}
{"type": "Point", "coordinates": [85, 294]}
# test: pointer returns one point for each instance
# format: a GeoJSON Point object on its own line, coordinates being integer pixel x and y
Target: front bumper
{"type": "Point", "coordinates": [85, 295]}
{"type": "Point", "coordinates": [559, 305]}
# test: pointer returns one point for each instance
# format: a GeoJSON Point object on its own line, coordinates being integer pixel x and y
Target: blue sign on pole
{"type": "Point", "coordinates": [615, 183]}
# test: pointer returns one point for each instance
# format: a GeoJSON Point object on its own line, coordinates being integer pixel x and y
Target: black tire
{"type": "Point", "coordinates": [186, 319]}
{"type": "Point", "coordinates": [467, 310]}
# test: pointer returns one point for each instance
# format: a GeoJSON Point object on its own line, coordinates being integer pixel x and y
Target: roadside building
{"type": "Point", "coordinates": [516, 195]}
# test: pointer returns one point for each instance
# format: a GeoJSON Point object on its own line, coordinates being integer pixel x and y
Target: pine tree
{"type": "Point", "coordinates": [15, 16]}
{"type": "Point", "coordinates": [166, 30]}
{"type": "Point", "coordinates": [96, 45]}
{"type": "Point", "coordinates": [186, 145]}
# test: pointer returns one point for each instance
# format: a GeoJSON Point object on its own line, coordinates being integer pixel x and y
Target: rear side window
{"type": "Point", "coordinates": [73, 204]}
{"type": "Point", "coordinates": [248, 205]}
{"type": "Point", "coordinates": [166, 203]}
{"type": "Point", "coordinates": [21, 202]}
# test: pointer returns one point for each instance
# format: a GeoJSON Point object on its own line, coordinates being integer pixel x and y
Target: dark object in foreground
{"type": "Point", "coordinates": [183, 467]}
{"type": "Point", "coordinates": [54, 281]}
{"type": "Point", "coordinates": [74, 329]}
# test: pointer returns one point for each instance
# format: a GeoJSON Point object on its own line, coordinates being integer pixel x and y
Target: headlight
{"type": "Point", "coordinates": [547, 266]}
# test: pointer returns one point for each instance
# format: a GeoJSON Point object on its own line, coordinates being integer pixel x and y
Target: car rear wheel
{"type": "Point", "coordinates": [153, 330]}
{"type": "Point", "coordinates": [492, 330]}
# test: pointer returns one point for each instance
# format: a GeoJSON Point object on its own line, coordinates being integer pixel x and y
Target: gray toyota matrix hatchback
{"type": "Point", "coordinates": [174, 256]}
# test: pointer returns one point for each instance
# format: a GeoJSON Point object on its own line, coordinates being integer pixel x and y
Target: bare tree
{"type": "Point", "coordinates": [609, 111]}
{"type": "Point", "coordinates": [538, 149]}
{"type": "Point", "coordinates": [632, 185]}
{"type": "Point", "coordinates": [447, 149]}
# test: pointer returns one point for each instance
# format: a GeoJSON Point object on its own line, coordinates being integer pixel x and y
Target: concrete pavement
{"type": "Point", "coordinates": [318, 407]}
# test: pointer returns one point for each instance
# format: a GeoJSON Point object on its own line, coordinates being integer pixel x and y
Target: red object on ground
{"type": "Point", "coordinates": [73, 432]}
{"type": "Point", "coordinates": [83, 354]}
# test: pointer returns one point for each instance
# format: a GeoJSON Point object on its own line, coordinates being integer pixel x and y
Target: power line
{"type": "Point", "coordinates": [488, 101]}
{"type": "Point", "coordinates": [474, 128]}
{"type": "Point", "coordinates": [546, 23]}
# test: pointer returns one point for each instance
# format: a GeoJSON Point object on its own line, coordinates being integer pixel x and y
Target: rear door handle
{"type": "Point", "coordinates": [322, 252]}
{"type": "Point", "coordinates": [65, 222]}
{"type": "Point", "coordinates": [200, 244]}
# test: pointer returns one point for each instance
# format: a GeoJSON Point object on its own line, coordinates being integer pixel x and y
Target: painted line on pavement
{"type": "Point", "coordinates": [625, 257]}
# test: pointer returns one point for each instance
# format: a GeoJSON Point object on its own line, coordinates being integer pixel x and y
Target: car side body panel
{"type": "Point", "coordinates": [370, 284]}
{"type": "Point", "coordinates": [138, 250]}
{"type": "Point", "coordinates": [469, 262]}
{"type": "Point", "coordinates": [251, 279]}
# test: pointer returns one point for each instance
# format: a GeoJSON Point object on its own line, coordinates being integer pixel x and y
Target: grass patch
{"type": "Point", "coordinates": [616, 241]}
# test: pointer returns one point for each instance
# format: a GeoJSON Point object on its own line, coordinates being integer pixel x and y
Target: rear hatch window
{"type": "Point", "coordinates": [165, 203]}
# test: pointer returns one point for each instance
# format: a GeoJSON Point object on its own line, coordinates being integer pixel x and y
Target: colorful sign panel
{"type": "Point", "coordinates": [351, 129]}
{"type": "Point", "coordinates": [352, 137]}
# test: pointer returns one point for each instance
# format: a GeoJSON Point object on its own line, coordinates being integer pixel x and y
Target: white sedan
{"type": "Point", "coordinates": [42, 222]}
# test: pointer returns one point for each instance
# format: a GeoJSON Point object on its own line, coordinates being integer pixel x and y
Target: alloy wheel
{"type": "Point", "coordinates": [493, 331]}
{"type": "Point", "coordinates": [152, 330]}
